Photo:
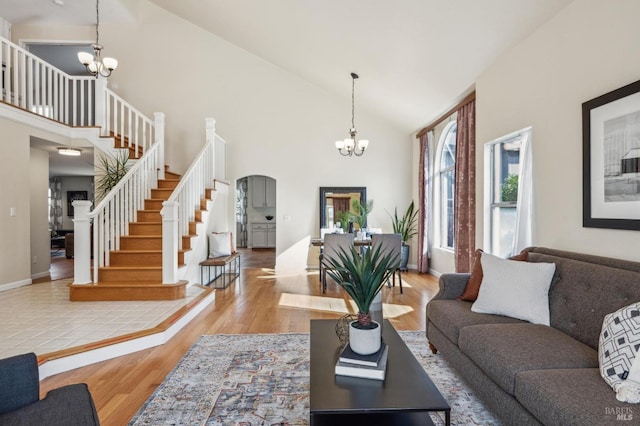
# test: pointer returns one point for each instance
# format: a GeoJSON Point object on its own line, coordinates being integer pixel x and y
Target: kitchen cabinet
{"type": "Point", "coordinates": [263, 235]}
{"type": "Point", "coordinates": [264, 191]}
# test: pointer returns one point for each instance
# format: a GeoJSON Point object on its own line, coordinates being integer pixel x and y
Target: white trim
{"type": "Point", "coordinates": [40, 275]}
{"type": "Point", "coordinates": [15, 284]}
{"type": "Point", "coordinates": [104, 353]}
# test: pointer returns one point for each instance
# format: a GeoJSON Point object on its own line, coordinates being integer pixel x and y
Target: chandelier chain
{"type": "Point", "coordinates": [97, 21]}
{"type": "Point", "coordinates": [353, 102]}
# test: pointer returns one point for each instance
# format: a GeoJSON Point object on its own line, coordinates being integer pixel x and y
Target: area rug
{"type": "Point", "coordinates": [263, 379]}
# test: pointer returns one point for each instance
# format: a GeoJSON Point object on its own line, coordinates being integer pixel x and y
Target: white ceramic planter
{"type": "Point", "coordinates": [364, 342]}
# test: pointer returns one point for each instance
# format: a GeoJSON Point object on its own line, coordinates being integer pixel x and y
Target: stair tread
{"type": "Point", "coordinates": [141, 251]}
{"type": "Point", "coordinates": [141, 236]}
{"type": "Point", "coordinates": [134, 284]}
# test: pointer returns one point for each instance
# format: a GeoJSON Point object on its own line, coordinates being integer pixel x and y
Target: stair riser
{"type": "Point", "coordinates": [141, 228]}
{"type": "Point", "coordinates": [133, 276]}
{"type": "Point", "coordinates": [168, 184]}
{"type": "Point", "coordinates": [153, 204]}
{"type": "Point", "coordinates": [84, 293]}
{"type": "Point", "coordinates": [121, 258]}
{"type": "Point", "coordinates": [149, 216]}
{"type": "Point", "coordinates": [161, 194]}
{"type": "Point", "coordinates": [150, 243]}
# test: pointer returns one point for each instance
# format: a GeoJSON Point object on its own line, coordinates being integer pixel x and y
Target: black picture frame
{"type": "Point", "coordinates": [73, 196]}
{"type": "Point", "coordinates": [611, 159]}
{"type": "Point", "coordinates": [324, 190]}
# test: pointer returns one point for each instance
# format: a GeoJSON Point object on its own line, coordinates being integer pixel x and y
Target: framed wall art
{"type": "Point", "coordinates": [611, 159]}
{"type": "Point", "coordinates": [73, 196]}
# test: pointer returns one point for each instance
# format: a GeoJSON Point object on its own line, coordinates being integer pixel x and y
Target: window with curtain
{"type": "Point", "coordinates": [445, 173]}
{"type": "Point", "coordinates": [506, 177]}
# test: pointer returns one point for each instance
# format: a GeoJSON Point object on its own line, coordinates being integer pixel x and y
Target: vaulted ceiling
{"type": "Point", "coordinates": [415, 58]}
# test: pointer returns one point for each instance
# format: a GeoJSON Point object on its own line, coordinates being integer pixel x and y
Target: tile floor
{"type": "Point", "coordinates": [40, 318]}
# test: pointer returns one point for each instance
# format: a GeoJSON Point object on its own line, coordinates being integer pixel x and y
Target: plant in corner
{"type": "Point", "coordinates": [109, 172]}
{"type": "Point", "coordinates": [406, 226]}
{"type": "Point", "coordinates": [362, 277]}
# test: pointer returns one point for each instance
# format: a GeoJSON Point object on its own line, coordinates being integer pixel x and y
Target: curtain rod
{"type": "Point", "coordinates": [470, 97]}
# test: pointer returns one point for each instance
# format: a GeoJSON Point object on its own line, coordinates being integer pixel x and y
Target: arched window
{"type": "Point", "coordinates": [445, 172]}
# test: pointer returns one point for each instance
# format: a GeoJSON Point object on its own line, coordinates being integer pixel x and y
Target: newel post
{"type": "Point", "coordinates": [210, 135]}
{"type": "Point", "coordinates": [170, 246]}
{"type": "Point", "coordinates": [159, 133]}
{"type": "Point", "coordinates": [82, 242]}
{"type": "Point", "coordinates": [100, 102]}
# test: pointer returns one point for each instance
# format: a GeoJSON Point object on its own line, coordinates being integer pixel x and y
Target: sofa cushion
{"type": "Point", "coordinates": [515, 289]}
{"type": "Point", "coordinates": [450, 316]}
{"type": "Point", "coordinates": [589, 288]}
{"type": "Point", "coordinates": [576, 396]}
{"type": "Point", "coordinates": [504, 350]}
{"type": "Point", "coordinates": [472, 288]}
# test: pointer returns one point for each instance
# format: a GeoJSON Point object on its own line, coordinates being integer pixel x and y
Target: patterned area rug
{"type": "Point", "coordinates": [263, 379]}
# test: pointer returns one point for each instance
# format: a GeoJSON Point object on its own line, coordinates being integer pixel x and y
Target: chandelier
{"type": "Point", "coordinates": [97, 65]}
{"type": "Point", "coordinates": [348, 147]}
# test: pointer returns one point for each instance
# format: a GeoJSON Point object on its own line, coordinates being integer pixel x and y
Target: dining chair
{"type": "Point", "coordinates": [390, 244]}
{"type": "Point", "coordinates": [332, 246]}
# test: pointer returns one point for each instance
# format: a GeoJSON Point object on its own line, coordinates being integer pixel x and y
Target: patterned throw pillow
{"type": "Point", "coordinates": [617, 352]}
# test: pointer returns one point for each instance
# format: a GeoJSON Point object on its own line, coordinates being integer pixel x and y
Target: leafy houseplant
{"type": "Point", "coordinates": [362, 277]}
{"type": "Point", "coordinates": [406, 226]}
{"type": "Point", "coordinates": [360, 211]}
{"type": "Point", "coordinates": [110, 171]}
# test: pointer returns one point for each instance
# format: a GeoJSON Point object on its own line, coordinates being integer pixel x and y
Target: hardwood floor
{"type": "Point", "coordinates": [249, 305]}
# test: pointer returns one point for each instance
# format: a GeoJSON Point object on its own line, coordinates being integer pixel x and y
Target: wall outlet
{"type": "Point", "coordinates": [12, 212]}
{"type": "Point", "coordinates": [286, 218]}
{"type": "Point", "coordinates": [35, 259]}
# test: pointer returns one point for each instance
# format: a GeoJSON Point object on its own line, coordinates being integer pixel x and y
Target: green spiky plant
{"type": "Point", "coordinates": [407, 224]}
{"type": "Point", "coordinates": [109, 171]}
{"type": "Point", "coordinates": [360, 211]}
{"type": "Point", "coordinates": [362, 277]}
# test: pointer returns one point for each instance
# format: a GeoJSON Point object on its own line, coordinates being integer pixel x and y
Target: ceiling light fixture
{"type": "Point", "coordinates": [72, 152]}
{"type": "Point", "coordinates": [96, 65]}
{"type": "Point", "coordinates": [348, 147]}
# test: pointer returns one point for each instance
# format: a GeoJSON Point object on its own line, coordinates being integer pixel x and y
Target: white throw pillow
{"type": "Point", "coordinates": [618, 352]}
{"type": "Point", "coordinates": [219, 244]}
{"type": "Point", "coordinates": [515, 289]}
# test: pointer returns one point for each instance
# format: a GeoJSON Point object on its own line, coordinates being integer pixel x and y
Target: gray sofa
{"type": "Point", "coordinates": [20, 403]}
{"type": "Point", "coordinates": [531, 374]}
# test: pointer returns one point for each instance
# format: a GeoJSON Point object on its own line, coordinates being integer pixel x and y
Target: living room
{"type": "Point", "coordinates": [540, 80]}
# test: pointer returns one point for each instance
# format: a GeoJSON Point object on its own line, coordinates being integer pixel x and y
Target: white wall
{"type": "Point", "coordinates": [15, 187]}
{"type": "Point", "coordinates": [275, 123]}
{"type": "Point", "coordinates": [588, 49]}
{"type": "Point", "coordinates": [40, 240]}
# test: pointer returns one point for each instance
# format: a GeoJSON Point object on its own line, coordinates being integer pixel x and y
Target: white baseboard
{"type": "Point", "coordinates": [17, 284]}
{"type": "Point", "coordinates": [40, 275]}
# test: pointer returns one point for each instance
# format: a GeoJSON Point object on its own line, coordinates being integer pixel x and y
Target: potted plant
{"type": "Point", "coordinates": [360, 211]}
{"type": "Point", "coordinates": [109, 172]}
{"type": "Point", "coordinates": [362, 276]}
{"type": "Point", "coordinates": [407, 227]}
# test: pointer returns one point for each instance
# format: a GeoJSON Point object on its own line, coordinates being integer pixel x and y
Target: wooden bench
{"type": "Point", "coordinates": [223, 267]}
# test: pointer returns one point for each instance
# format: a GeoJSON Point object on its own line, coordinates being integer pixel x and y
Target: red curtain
{"type": "Point", "coordinates": [465, 188]}
{"type": "Point", "coordinates": [424, 204]}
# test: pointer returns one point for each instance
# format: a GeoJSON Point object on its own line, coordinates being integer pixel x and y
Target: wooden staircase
{"type": "Point", "coordinates": [135, 270]}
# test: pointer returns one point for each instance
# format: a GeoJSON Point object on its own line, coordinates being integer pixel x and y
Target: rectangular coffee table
{"type": "Point", "coordinates": [405, 397]}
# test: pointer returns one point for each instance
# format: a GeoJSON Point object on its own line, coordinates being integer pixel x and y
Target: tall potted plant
{"type": "Point", "coordinates": [406, 226]}
{"type": "Point", "coordinates": [362, 276]}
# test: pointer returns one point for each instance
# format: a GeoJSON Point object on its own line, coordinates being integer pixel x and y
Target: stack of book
{"type": "Point", "coordinates": [365, 366]}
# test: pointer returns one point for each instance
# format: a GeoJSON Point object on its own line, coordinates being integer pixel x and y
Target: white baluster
{"type": "Point", "coordinates": [170, 238]}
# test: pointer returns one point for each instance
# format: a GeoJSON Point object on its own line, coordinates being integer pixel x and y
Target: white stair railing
{"type": "Point", "coordinates": [180, 208]}
{"type": "Point", "coordinates": [34, 85]}
{"type": "Point", "coordinates": [111, 217]}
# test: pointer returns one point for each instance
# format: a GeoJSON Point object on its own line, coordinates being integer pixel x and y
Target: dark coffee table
{"type": "Point", "coordinates": [404, 398]}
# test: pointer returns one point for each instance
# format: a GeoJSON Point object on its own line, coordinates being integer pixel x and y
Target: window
{"type": "Point", "coordinates": [502, 179]}
{"type": "Point", "coordinates": [445, 173]}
